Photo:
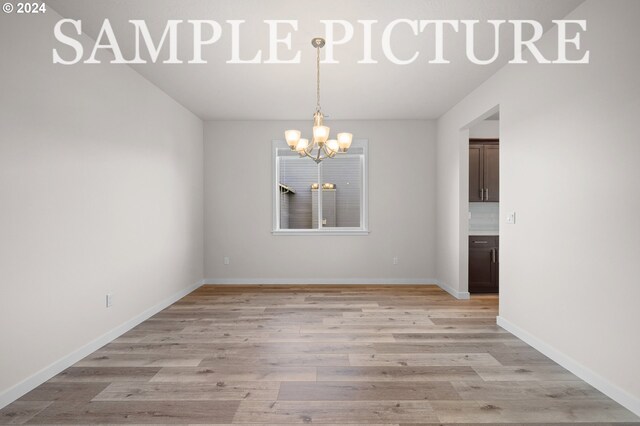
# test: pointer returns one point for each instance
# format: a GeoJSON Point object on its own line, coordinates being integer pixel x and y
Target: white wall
{"type": "Point", "coordinates": [569, 168]}
{"type": "Point", "coordinates": [100, 191]}
{"type": "Point", "coordinates": [238, 207]}
{"type": "Point", "coordinates": [487, 129]}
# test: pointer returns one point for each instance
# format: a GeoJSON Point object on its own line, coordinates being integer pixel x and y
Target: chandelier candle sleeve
{"type": "Point", "coordinates": [320, 134]}
{"type": "Point", "coordinates": [344, 140]}
{"type": "Point", "coordinates": [320, 146]}
{"type": "Point", "coordinates": [302, 145]}
{"type": "Point", "coordinates": [333, 147]}
{"type": "Point", "coordinates": [292, 137]}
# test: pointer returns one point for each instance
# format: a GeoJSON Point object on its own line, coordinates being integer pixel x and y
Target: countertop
{"type": "Point", "coordinates": [483, 233]}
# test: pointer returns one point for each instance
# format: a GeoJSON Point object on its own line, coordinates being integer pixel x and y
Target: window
{"type": "Point", "coordinates": [334, 191]}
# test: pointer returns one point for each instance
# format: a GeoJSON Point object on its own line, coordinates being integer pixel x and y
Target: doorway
{"type": "Point", "coordinates": [483, 205]}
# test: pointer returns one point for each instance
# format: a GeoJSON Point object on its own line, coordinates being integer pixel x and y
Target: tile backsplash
{"type": "Point", "coordinates": [484, 216]}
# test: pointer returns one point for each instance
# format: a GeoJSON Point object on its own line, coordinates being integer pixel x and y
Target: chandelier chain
{"type": "Point", "coordinates": [318, 78]}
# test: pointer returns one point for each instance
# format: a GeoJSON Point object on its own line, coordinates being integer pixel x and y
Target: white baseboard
{"type": "Point", "coordinates": [48, 372]}
{"type": "Point", "coordinates": [463, 295]}
{"type": "Point", "coordinates": [318, 281]}
{"type": "Point", "coordinates": [624, 398]}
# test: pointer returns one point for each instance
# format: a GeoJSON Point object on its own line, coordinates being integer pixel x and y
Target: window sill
{"type": "Point", "coordinates": [321, 232]}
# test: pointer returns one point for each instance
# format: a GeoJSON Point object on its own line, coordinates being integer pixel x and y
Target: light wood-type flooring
{"type": "Point", "coordinates": [280, 355]}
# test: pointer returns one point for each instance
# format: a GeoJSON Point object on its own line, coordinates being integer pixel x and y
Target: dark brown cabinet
{"type": "Point", "coordinates": [484, 170]}
{"type": "Point", "coordinates": [483, 264]}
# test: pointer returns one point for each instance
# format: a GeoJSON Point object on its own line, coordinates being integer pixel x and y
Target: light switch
{"type": "Point", "coordinates": [511, 218]}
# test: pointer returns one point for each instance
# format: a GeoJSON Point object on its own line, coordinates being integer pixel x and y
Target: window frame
{"type": "Point", "coordinates": [277, 144]}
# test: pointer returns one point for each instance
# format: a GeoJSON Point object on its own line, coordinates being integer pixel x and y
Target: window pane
{"type": "Point", "coordinates": [296, 175]}
{"type": "Point", "coordinates": [342, 189]}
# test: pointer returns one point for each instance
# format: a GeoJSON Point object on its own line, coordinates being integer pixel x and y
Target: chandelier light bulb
{"type": "Point", "coordinates": [292, 137]}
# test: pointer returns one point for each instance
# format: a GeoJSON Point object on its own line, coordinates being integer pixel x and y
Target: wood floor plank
{"type": "Point", "coordinates": [266, 338]}
{"type": "Point", "coordinates": [19, 412]}
{"type": "Point", "coordinates": [341, 412]}
{"type": "Point", "coordinates": [137, 412]}
{"type": "Point", "coordinates": [484, 411]}
{"type": "Point", "coordinates": [378, 321]}
{"type": "Point", "coordinates": [527, 390]}
{"type": "Point", "coordinates": [235, 374]}
{"type": "Point", "coordinates": [525, 372]}
{"type": "Point", "coordinates": [281, 360]}
{"type": "Point", "coordinates": [522, 356]}
{"type": "Point", "coordinates": [423, 359]}
{"type": "Point", "coordinates": [366, 391]}
{"type": "Point", "coordinates": [449, 336]}
{"type": "Point", "coordinates": [139, 360]}
{"type": "Point", "coordinates": [250, 329]}
{"type": "Point", "coordinates": [321, 306]}
{"type": "Point", "coordinates": [243, 349]}
{"type": "Point", "coordinates": [106, 374]}
{"type": "Point", "coordinates": [208, 391]}
{"type": "Point", "coordinates": [56, 391]}
{"type": "Point", "coordinates": [491, 321]}
{"type": "Point", "coordinates": [418, 314]}
{"type": "Point", "coordinates": [400, 329]}
{"type": "Point", "coordinates": [522, 424]}
{"type": "Point", "coordinates": [453, 347]}
{"type": "Point", "coordinates": [397, 374]}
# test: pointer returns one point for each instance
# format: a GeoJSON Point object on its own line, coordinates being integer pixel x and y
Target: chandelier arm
{"type": "Point", "coordinates": [317, 159]}
{"type": "Point", "coordinates": [309, 149]}
{"type": "Point", "coordinates": [304, 153]}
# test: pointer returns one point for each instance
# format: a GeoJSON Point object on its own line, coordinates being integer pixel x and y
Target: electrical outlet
{"type": "Point", "coordinates": [511, 218]}
{"type": "Point", "coordinates": [226, 260]}
{"type": "Point", "coordinates": [395, 260]}
{"type": "Point", "coordinates": [109, 300]}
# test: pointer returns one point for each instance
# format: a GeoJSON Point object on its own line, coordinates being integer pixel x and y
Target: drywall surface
{"type": "Point", "coordinates": [238, 207]}
{"type": "Point", "coordinates": [487, 129]}
{"type": "Point", "coordinates": [100, 192]}
{"type": "Point", "coordinates": [569, 157]}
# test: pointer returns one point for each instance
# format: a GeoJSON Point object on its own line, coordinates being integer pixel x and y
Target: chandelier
{"type": "Point", "coordinates": [320, 146]}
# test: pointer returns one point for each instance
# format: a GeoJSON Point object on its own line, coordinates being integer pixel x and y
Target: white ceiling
{"type": "Point", "coordinates": [219, 90]}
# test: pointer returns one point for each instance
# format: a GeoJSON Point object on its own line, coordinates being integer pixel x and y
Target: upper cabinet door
{"type": "Point", "coordinates": [475, 173]}
{"type": "Point", "coordinates": [491, 173]}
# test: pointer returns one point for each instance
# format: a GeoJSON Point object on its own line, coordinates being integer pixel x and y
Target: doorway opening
{"type": "Point", "coordinates": [481, 230]}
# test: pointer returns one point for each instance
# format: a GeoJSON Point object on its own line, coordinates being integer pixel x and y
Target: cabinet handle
{"type": "Point", "coordinates": [487, 196]}
{"type": "Point", "coordinates": [481, 194]}
{"type": "Point", "coordinates": [493, 255]}
{"type": "Point", "coordinates": [480, 242]}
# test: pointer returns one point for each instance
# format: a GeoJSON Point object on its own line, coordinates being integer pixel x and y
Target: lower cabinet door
{"type": "Point", "coordinates": [481, 271]}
